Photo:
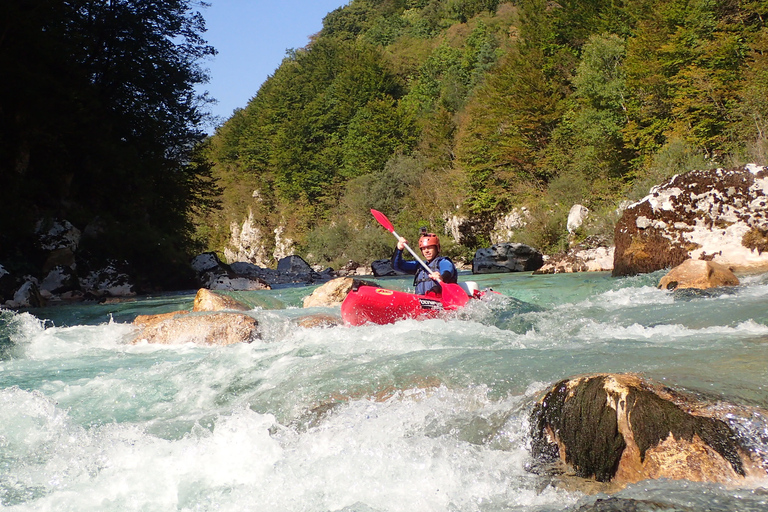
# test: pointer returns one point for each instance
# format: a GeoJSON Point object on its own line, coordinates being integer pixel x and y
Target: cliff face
{"type": "Point", "coordinates": [718, 215]}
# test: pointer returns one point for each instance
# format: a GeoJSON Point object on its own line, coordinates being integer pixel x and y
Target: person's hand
{"type": "Point", "coordinates": [435, 275]}
{"type": "Point", "coordinates": [401, 243]}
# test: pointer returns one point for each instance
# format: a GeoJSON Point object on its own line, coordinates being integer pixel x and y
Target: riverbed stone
{"type": "Point", "coordinates": [334, 292]}
{"type": "Point", "coordinates": [698, 274]}
{"type": "Point", "coordinates": [218, 328]}
{"type": "Point", "coordinates": [207, 300]}
{"type": "Point", "coordinates": [621, 428]}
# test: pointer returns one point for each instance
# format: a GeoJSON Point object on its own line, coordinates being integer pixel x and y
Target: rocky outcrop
{"type": "Point", "coordinates": [576, 216]}
{"type": "Point", "coordinates": [334, 292]}
{"type": "Point", "coordinates": [213, 274]}
{"type": "Point", "coordinates": [698, 274]}
{"type": "Point", "coordinates": [202, 329]}
{"type": "Point", "coordinates": [621, 428]}
{"type": "Point", "coordinates": [599, 259]}
{"type": "Point", "coordinates": [506, 257]}
{"type": "Point", "coordinates": [719, 215]}
{"type": "Point", "coordinates": [507, 225]}
{"type": "Point", "coordinates": [247, 241]}
{"type": "Point", "coordinates": [51, 270]}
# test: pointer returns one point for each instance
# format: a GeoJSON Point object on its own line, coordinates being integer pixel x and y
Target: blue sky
{"type": "Point", "coordinates": [252, 37]}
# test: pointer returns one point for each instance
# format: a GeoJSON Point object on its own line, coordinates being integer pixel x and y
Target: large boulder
{"type": "Point", "coordinates": [214, 274]}
{"type": "Point", "coordinates": [28, 295]}
{"type": "Point", "coordinates": [60, 279]}
{"type": "Point", "coordinates": [383, 268]}
{"type": "Point", "coordinates": [698, 274]}
{"type": "Point", "coordinates": [8, 285]}
{"type": "Point", "coordinates": [716, 214]}
{"type": "Point", "coordinates": [620, 428]}
{"type": "Point", "coordinates": [294, 265]}
{"type": "Point", "coordinates": [202, 329]}
{"type": "Point", "coordinates": [506, 257]}
{"type": "Point", "coordinates": [112, 280]}
{"type": "Point", "coordinates": [333, 292]}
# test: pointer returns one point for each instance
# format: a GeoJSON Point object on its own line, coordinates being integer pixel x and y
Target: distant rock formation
{"type": "Point", "coordinates": [620, 428]}
{"type": "Point", "coordinates": [719, 215]}
{"type": "Point", "coordinates": [698, 274]}
{"type": "Point", "coordinates": [576, 216]}
{"type": "Point", "coordinates": [506, 257]}
{"type": "Point", "coordinates": [54, 271]}
{"type": "Point", "coordinates": [597, 259]}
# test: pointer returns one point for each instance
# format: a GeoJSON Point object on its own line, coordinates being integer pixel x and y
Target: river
{"type": "Point", "coordinates": [415, 416]}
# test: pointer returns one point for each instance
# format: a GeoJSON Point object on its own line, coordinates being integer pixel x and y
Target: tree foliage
{"type": "Point", "coordinates": [98, 118]}
{"type": "Point", "coordinates": [430, 109]}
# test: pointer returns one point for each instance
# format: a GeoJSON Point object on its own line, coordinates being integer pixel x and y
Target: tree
{"type": "Point", "coordinates": [100, 118]}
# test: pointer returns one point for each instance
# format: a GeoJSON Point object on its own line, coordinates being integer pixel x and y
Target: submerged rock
{"type": "Point", "coordinates": [206, 300]}
{"type": "Point", "coordinates": [202, 329]}
{"type": "Point", "coordinates": [622, 429]}
{"type": "Point", "coordinates": [333, 292]}
{"type": "Point", "coordinates": [698, 274]}
{"type": "Point", "coordinates": [313, 321]}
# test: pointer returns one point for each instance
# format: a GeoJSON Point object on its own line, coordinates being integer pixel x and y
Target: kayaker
{"type": "Point", "coordinates": [443, 268]}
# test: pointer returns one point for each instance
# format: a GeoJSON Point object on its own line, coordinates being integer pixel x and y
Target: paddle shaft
{"type": "Point", "coordinates": [453, 295]}
{"type": "Point", "coordinates": [426, 267]}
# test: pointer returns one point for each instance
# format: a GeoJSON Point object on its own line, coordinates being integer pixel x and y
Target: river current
{"type": "Point", "coordinates": [415, 416]}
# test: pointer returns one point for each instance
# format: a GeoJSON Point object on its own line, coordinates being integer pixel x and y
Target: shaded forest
{"type": "Point", "coordinates": [98, 119]}
{"type": "Point", "coordinates": [438, 110]}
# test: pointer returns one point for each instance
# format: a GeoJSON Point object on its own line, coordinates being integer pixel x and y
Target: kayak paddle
{"type": "Point", "coordinates": [453, 295]}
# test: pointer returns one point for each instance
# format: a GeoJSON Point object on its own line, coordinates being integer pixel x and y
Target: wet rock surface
{"type": "Point", "coordinates": [621, 428]}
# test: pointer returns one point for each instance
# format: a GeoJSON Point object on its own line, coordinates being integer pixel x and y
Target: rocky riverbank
{"type": "Point", "coordinates": [718, 215]}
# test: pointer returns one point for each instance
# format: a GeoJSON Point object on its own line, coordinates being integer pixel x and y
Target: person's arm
{"type": "Point", "coordinates": [398, 263]}
{"type": "Point", "coordinates": [447, 270]}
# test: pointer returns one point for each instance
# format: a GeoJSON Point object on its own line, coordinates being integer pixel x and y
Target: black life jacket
{"type": "Point", "coordinates": [422, 275]}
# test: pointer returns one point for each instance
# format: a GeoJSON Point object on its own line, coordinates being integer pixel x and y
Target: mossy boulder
{"type": "Point", "coordinates": [620, 428]}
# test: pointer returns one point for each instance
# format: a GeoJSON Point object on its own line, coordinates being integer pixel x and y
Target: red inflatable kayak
{"type": "Point", "coordinates": [369, 304]}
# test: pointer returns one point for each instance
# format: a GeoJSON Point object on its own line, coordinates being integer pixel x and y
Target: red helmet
{"type": "Point", "coordinates": [428, 239]}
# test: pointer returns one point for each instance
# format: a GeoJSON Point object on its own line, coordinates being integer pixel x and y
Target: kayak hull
{"type": "Point", "coordinates": [369, 304]}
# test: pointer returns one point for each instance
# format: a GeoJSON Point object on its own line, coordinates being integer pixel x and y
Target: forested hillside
{"type": "Point", "coordinates": [430, 109]}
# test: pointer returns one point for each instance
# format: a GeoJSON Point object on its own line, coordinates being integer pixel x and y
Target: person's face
{"type": "Point", "coordinates": [429, 252]}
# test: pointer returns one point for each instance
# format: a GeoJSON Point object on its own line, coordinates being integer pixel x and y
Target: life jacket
{"type": "Point", "coordinates": [422, 277]}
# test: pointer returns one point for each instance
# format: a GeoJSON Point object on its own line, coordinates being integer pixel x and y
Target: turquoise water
{"type": "Point", "coordinates": [414, 416]}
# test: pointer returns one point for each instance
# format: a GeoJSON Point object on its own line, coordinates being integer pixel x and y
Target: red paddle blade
{"type": "Point", "coordinates": [453, 296]}
{"type": "Point", "coordinates": [383, 220]}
